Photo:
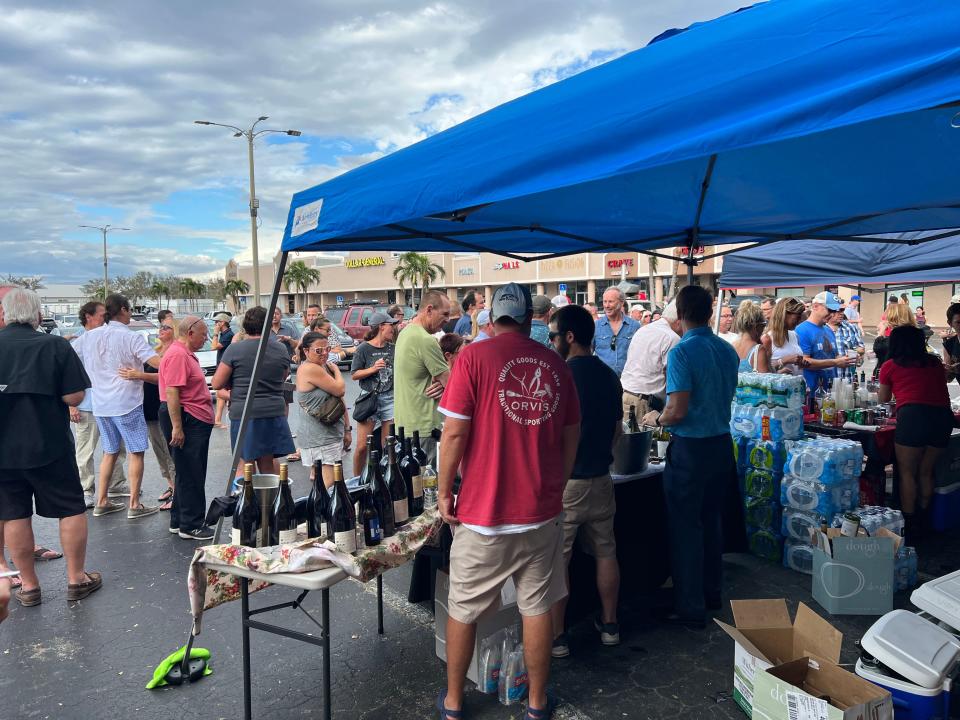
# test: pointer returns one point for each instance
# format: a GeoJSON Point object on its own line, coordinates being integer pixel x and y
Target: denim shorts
{"type": "Point", "coordinates": [384, 407]}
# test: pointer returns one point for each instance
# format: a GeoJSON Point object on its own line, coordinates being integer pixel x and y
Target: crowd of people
{"type": "Point", "coordinates": [518, 405]}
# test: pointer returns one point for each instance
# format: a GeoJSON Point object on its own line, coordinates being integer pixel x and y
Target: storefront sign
{"type": "Point", "coordinates": [465, 271]}
{"type": "Point", "coordinates": [697, 251]}
{"type": "Point", "coordinates": [563, 264]}
{"type": "Point", "coordinates": [617, 263]}
{"type": "Point", "coordinates": [508, 265]}
{"type": "Point", "coordinates": [365, 262]}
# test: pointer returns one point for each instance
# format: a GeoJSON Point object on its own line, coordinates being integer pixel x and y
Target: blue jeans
{"type": "Point", "coordinates": [695, 479]}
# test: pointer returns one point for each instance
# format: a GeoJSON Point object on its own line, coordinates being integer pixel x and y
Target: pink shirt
{"type": "Point", "coordinates": [519, 396]}
{"type": "Point", "coordinates": [181, 369]}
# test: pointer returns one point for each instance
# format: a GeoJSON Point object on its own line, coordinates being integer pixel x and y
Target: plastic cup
{"type": "Point", "coordinates": [662, 448]}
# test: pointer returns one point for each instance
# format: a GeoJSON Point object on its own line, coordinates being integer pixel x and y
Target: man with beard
{"type": "Point", "coordinates": [588, 499]}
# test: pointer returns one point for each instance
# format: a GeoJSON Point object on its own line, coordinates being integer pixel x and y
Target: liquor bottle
{"type": "Point", "coordinates": [341, 518]}
{"type": "Point", "coordinates": [819, 396]}
{"type": "Point", "coordinates": [413, 478]}
{"type": "Point", "coordinates": [283, 519]}
{"type": "Point", "coordinates": [318, 503]}
{"type": "Point", "coordinates": [418, 452]}
{"type": "Point", "coordinates": [370, 518]}
{"type": "Point", "coordinates": [246, 515]}
{"type": "Point", "coordinates": [383, 500]}
{"type": "Point", "coordinates": [398, 488]}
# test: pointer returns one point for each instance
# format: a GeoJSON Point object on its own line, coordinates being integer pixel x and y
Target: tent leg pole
{"type": "Point", "coordinates": [254, 380]}
{"type": "Point", "coordinates": [716, 315]}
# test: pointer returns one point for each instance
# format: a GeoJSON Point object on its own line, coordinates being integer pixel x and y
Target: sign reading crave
{"type": "Point", "coordinates": [365, 262]}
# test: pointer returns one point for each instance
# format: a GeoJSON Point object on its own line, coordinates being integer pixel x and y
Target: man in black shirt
{"type": "Point", "coordinates": [588, 499]}
{"type": "Point", "coordinates": [40, 377]}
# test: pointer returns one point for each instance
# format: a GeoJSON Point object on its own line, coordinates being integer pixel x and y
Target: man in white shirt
{"type": "Point", "coordinates": [726, 325]}
{"type": "Point", "coordinates": [644, 377]}
{"type": "Point", "coordinates": [112, 349]}
{"type": "Point", "coordinates": [852, 312]}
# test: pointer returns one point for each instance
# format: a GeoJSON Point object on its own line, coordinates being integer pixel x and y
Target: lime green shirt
{"type": "Point", "coordinates": [418, 359]}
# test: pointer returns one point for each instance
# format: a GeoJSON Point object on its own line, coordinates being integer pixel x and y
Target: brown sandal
{"type": "Point", "coordinates": [29, 598]}
{"type": "Point", "coordinates": [79, 591]}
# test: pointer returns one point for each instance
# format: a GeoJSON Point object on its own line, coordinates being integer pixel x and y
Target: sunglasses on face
{"type": "Point", "coordinates": [613, 343]}
{"type": "Point", "coordinates": [320, 350]}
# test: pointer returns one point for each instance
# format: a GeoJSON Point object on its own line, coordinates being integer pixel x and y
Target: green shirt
{"type": "Point", "coordinates": [417, 360]}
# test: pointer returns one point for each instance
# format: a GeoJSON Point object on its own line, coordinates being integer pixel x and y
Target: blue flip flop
{"type": "Point", "coordinates": [446, 714]}
{"type": "Point", "coordinates": [543, 714]}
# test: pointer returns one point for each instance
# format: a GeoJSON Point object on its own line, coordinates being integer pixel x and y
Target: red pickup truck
{"type": "Point", "coordinates": [353, 318]}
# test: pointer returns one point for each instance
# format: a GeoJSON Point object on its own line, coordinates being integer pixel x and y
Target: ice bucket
{"type": "Point", "coordinates": [632, 453]}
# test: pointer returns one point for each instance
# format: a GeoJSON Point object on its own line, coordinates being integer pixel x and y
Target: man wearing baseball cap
{"type": "Point", "coordinates": [819, 344]}
{"type": "Point", "coordinates": [852, 312]}
{"type": "Point", "coordinates": [512, 427]}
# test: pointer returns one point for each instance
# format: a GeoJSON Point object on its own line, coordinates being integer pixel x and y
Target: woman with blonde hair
{"type": "Point", "coordinates": [896, 316]}
{"type": "Point", "coordinates": [748, 325]}
{"type": "Point", "coordinates": [781, 340]}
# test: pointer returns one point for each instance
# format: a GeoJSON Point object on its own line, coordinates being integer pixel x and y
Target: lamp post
{"type": "Point", "coordinates": [104, 229]}
{"type": "Point", "coordinates": [251, 135]}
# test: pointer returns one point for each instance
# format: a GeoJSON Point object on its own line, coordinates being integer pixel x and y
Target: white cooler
{"type": "Point", "coordinates": [917, 656]}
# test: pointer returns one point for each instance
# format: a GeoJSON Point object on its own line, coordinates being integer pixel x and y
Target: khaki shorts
{"type": "Point", "coordinates": [631, 400]}
{"type": "Point", "coordinates": [481, 564]}
{"type": "Point", "coordinates": [588, 509]}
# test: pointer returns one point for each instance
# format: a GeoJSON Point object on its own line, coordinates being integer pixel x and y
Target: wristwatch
{"type": "Point", "coordinates": [658, 420]}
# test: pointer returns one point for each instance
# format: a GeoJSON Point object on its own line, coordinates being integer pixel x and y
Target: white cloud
{"type": "Point", "coordinates": [98, 101]}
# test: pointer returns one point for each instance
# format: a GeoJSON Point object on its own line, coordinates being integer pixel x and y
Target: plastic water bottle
{"type": "Point", "coordinates": [761, 483]}
{"type": "Point", "coordinates": [762, 513]}
{"type": "Point", "coordinates": [797, 524]}
{"type": "Point", "coordinates": [765, 544]}
{"type": "Point", "coordinates": [798, 556]}
{"type": "Point", "coordinates": [513, 678]}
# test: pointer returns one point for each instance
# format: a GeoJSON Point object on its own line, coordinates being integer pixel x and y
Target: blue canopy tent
{"type": "Point", "coordinates": [907, 258]}
{"type": "Point", "coordinates": [813, 118]}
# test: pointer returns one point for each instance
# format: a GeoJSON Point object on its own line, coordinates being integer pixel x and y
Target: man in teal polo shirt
{"type": "Point", "coordinates": [701, 381]}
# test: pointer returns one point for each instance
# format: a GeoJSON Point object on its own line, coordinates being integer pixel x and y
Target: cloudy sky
{"type": "Point", "coordinates": [98, 99]}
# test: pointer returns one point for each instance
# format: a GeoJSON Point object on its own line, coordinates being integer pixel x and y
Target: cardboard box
{"type": "Point", "coordinates": [764, 636]}
{"type": "Point", "coordinates": [813, 689]}
{"type": "Point", "coordinates": [506, 615]}
{"type": "Point", "coordinates": [854, 575]}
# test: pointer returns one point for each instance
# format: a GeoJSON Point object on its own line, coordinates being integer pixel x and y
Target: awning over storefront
{"type": "Point", "coordinates": [908, 258]}
{"type": "Point", "coordinates": [820, 118]}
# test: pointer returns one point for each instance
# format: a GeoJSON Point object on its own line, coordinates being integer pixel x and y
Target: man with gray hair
{"type": "Point", "coordinates": [614, 331]}
{"type": "Point", "coordinates": [644, 376]}
{"type": "Point", "coordinates": [40, 378]}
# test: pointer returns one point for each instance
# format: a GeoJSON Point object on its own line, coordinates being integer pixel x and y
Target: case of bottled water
{"type": "Point", "coordinates": [798, 556]}
{"type": "Point", "coordinates": [762, 513]}
{"type": "Point", "coordinates": [740, 451]}
{"type": "Point", "coordinates": [830, 461]}
{"type": "Point", "coordinates": [748, 420]}
{"type": "Point", "coordinates": [771, 389]}
{"type": "Point", "coordinates": [874, 517]}
{"type": "Point", "coordinates": [766, 455]}
{"type": "Point", "coordinates": [761, 483]}
{"type": "Point", "coordinates": [797, 524]}
{"type": "Point", "coordinates": [766, 544]}
{"type": "Point", "coordinates": [814, 496]}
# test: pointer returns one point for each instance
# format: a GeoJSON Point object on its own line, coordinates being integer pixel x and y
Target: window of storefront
{"type": "Point", "coordinates": [914, 294]}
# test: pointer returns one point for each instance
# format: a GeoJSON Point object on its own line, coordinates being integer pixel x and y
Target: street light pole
{"type": "Point", "coordinates": [252, 135]}
{"type": "Point", "coordinates": [104, 229]}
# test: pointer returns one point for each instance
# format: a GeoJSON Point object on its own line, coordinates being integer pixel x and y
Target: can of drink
{"type": "Point", "coordinates": [841, 417]}
{"type": "Point", "coordinates": [850, 525]}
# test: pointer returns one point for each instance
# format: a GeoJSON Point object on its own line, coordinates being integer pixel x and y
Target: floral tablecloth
{"type": "Point", "coordinates": [209, 588]}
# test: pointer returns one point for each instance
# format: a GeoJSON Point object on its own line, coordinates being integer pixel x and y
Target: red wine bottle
{"type": "Point", "coordinates": [398, 488]}
{"type": "Point", "coordinates": [341, 518]}
{"type": "Point", "coordinates": [418, 452]}
{"type": "Point", "coordinates": [383, 500]}
{"type": "Point", "coordinates": [283, 519]}
{"type": "Point", "coordinates": [246, 515]}
{"type": "Point", "coordinates": [370, 518]}
{"type": "Point", "coordinates": [317, 503]}
{"type": "Point", "coordinates": [413, 479]}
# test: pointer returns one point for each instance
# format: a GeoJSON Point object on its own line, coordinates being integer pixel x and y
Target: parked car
{"type": "Point", "coordinates": [206, 356]}
{"type": "Point", "coordinates": [354, 318]}
{"type": "Point", "coordinates": [49, 326]}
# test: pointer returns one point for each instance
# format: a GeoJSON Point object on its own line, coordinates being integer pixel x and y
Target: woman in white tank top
{"type": "Point", "coordinates": [780, 338]}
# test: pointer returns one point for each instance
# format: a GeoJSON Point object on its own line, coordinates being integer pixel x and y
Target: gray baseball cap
{"type": "Point", "coordinates": [541, 304]}
{"type": "Point", "coordinates": [512, 301]}
{"type": "Point", "coordinates": [222, 317]}
{"type": "Point", "coordinates": [378, 318]}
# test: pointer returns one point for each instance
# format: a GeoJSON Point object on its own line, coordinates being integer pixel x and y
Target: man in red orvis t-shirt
{"type": "Point", "coordinates": [512, 427]}
{"type": "Point", "coordinates": [186, 418]}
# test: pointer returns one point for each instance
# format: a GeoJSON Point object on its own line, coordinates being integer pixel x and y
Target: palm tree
{"type": "Point", "coordinates": [651, 269]}
{"type": "Point", "coordinates": [191, 289]}
{"type": "Point", "coordinates": [417, 269]}
{"type": "Point", "coordinates": [301, 276]}
{"type": "Point", "coordinates": [235, 288]}
{"type": "Point", "coordinates": [158, 290]}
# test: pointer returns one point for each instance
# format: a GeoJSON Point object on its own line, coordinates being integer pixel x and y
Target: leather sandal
{"type": "Point", "coordinates": [78, 591]}
{"type": "Point", "coordinates": [29, 598]}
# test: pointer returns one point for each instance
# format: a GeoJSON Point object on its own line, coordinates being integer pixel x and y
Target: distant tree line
{"type": "Point", "coordinates": [160, 289]}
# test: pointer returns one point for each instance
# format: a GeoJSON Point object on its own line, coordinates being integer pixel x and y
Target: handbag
{"type": "Point", "coordinates": [329, 411]}
{"type": "Point", "coordinates": [365, 406]}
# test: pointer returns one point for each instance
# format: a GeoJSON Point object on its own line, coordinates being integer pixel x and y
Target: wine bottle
{"type": "Point", "coordinates": [632, 424]}
{"type": "Point", "coordinates": [283, 519]}
{"type": "Point", "coordinates": [370, 518]}
{"type": "Point", "coordinates": [398, 488]}
{"type": "Point", "coordinates": [246, 515]}
{"type": "Point", "coordinates": [418, 451]}
{"type": "Point", "coordinates": [413, 479]}
{"type": "Point", "coordinates": [382, 500]}
{"type": "Point", "coordinates": [401, 448]}
{"type": "Point", "coordinates": [366, 475]}
{"type": "Point", "coordinates": [317, 503]}
{"type": "Point", "coordinates": [341, 518]}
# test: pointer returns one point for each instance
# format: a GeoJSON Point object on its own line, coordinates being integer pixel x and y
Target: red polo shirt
{"type": "Point", "coordinates": [181, 369]}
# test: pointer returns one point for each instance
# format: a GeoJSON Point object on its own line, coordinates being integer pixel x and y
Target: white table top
{"type": "Point", "coordinates": [652, 469]}
{"type": "Point", "coordinates": [313, 580]}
